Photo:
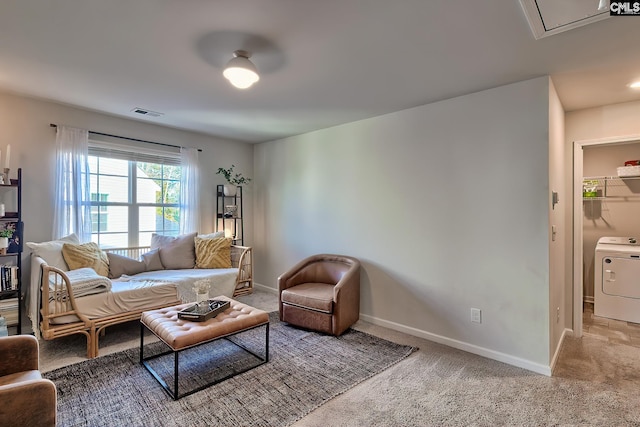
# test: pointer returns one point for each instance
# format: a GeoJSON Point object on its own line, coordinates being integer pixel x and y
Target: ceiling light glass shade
{"type": "Point", "coordinates": [635, 85]}
{"type": "Point", "coordinates": [240, 71]}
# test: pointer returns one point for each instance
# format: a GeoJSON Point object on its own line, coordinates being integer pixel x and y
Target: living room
{"type": "Point", "coordinates": [446, 203]}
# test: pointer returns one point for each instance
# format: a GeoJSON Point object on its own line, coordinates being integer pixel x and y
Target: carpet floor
{"type": "Point", "coordinates": [305, 370]}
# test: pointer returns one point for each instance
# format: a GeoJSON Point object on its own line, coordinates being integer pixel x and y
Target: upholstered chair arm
{"type": "Point", "coordinates": [346, 297]}
{"type": "Point", "coordinates": [350, 279]}
{"type": "Point", "coordinates": [28, 403]}
{"type": "Point", "coordinates": [19, 353]}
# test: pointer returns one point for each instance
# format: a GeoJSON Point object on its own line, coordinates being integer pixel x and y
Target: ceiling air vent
{"type": "Point", "coordinates": [549, 17]}
{"type": "Point", "coordinates": [147, 113]}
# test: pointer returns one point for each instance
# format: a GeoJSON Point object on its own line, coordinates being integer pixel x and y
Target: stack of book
{"type": "Point", "coordinates": [9, 277]}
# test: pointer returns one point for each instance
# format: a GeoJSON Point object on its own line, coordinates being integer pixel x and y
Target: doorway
{"type": "Point", "coordinates": [578, 222]}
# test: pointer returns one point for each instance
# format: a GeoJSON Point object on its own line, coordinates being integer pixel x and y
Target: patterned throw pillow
{"type": "Point", "coordinates": [86, 255]}
{"type": "Point", "coordinates": [213, 253]}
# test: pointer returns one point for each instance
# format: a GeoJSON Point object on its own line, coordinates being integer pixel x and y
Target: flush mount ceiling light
{"type": "Point", "coordinates": [634, 85]}
{"type": "Point", "coordinates": [240, 71]}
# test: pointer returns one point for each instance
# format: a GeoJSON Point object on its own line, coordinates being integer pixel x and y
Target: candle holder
{"type": "Point", "coordinates": [5, 176]}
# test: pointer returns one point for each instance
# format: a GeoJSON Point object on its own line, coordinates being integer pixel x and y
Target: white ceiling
{"type": "Point", "coordinates": [322, 63]}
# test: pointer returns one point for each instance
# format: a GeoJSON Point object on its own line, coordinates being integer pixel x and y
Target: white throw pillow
{"type": "Point", "coordinates": [51, 252]}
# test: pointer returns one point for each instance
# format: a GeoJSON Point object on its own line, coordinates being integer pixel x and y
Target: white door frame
{"type": "Point", "coordinates": [578, 158]}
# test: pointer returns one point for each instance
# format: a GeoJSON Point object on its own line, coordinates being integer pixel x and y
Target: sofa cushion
{"type": "Point", "coordinates": [119, 265]}
{"type": "Point", "coordinates": [51, 252]}
{"type": "Point", "coordinates": [152, 261]}
{"type": "Point", "coordinates": [175, 252]}
{"type": "Point", "coordinates": [86, 255]}
{"type": "Point", "coordinates": [213, 253]}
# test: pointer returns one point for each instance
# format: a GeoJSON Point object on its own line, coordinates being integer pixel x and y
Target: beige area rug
{"type": "Point", "coordinates": [305, 370]}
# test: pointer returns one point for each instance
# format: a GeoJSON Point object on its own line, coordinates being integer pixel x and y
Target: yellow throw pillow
{"type": "Point", "coordinates": [86, 255]}
{"type": "Point", "coordinates": [213, 253]}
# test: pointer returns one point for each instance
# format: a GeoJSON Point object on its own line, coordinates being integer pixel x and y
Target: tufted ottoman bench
{"type": "Point", "coordinates": [180, 334]}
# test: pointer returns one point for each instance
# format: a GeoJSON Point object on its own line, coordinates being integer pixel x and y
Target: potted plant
{"type": "Point", "coordinates": [5, 235]}
{"type": "Point", "coordinates": [233, 180]}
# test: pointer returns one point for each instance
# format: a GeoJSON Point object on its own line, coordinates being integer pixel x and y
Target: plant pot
{"type": "Point", "coordinates": [230, 190]}
{"type": "Point", "coordinates": [4, 244]}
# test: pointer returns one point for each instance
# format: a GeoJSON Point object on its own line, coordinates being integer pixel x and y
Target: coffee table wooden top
{"type": "Point", "coordinates": [180, 333]}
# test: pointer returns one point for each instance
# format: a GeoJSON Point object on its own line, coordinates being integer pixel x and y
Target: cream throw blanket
{"type": "Point", "coordinates": [84, 281]}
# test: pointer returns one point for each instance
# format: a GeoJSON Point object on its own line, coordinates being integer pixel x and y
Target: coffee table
{"type": "Point", "coordinates": [179, 335]}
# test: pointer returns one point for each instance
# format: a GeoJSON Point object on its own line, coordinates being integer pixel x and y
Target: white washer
{"type": "Point", "coordinates": [617, 278]}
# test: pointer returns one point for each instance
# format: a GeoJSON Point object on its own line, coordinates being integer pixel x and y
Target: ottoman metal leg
{"type": "Point", "coordinates": [174, 393]}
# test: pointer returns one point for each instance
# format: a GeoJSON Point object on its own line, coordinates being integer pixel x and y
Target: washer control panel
{"type": "Point", "coordinates": [619, 241]}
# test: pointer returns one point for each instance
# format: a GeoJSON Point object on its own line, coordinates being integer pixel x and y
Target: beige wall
{"type": "Point", "coordinates": [447, 206]}
{"type": "Point", "coordinates": [24, 123]}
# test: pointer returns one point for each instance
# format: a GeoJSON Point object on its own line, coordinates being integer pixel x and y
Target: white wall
{"type": "Point", "coordinates": [24, 123]}
{"type": "Point", "coordinates": [560, 310]}
{"type": "Point", "coordinates": [446, 205]}
{"type": "Point", "coordinates": [603, 122]}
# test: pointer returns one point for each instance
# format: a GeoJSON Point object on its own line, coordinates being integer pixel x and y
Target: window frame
{"type": "Point", "coordinates": [133, 156]}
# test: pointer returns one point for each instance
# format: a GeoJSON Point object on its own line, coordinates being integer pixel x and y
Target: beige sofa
{"type": "Point", "coordinates": [55, 311]}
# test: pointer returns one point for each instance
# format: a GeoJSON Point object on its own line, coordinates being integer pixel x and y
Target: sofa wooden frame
{"type": "Point", "coordinates": [55, 281]}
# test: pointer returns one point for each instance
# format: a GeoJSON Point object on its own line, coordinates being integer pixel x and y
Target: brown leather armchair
{"type": "Point", "coordinates": [26, 399]}
{"type": "Point", "coordinates": [321, 292]}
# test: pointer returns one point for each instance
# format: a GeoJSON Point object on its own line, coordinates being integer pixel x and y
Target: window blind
{"type": "Point", "coordinates": [101, 147]}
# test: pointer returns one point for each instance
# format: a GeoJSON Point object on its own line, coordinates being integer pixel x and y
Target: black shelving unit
{"type": "Point", "coordinates": [229, 218]}
{"type": "Point", "coordinates": [11, 196]}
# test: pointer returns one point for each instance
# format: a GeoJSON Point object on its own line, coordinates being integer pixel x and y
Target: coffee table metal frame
{"type": "Point", "coordinates": [174, 393]}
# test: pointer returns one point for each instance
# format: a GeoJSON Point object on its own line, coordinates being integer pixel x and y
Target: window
{"type": "Point", "coordinates": [132, 196]}
{"type": "Point", "coordinates": [98, 212]}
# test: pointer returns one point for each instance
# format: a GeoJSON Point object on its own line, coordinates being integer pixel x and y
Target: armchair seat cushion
{"type": "Point", "coordinates": [20, 377]}
{"type": "Point", "coordinates": [314, 296]}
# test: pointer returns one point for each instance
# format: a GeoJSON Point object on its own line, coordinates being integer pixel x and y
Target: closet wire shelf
{"type": "Point", "coordinates": [614, 187]}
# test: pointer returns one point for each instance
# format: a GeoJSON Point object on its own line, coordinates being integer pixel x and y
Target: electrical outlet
{"type": "Point", "coordinates": [476, 315]}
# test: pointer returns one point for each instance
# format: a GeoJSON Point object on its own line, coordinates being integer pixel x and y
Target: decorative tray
{"type": "Point", "coordinates": [204, 310]}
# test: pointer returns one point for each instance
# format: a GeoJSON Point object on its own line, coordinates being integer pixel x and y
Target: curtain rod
{"type": "Point", "coordinates": [53, 125]}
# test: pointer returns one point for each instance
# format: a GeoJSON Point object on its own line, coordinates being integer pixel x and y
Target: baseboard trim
{"type": "Point", "coordinates": [265, 288]}
{"type": "Point", "coordinates": [554, 360]}
{"type": "Point", "coordinates": [461, 345]}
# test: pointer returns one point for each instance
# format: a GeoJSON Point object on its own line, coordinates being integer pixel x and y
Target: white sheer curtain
{"type": "Point", "coordinates": [189, 215]}
{"type": "Point", "coordinates": [72, 207]}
